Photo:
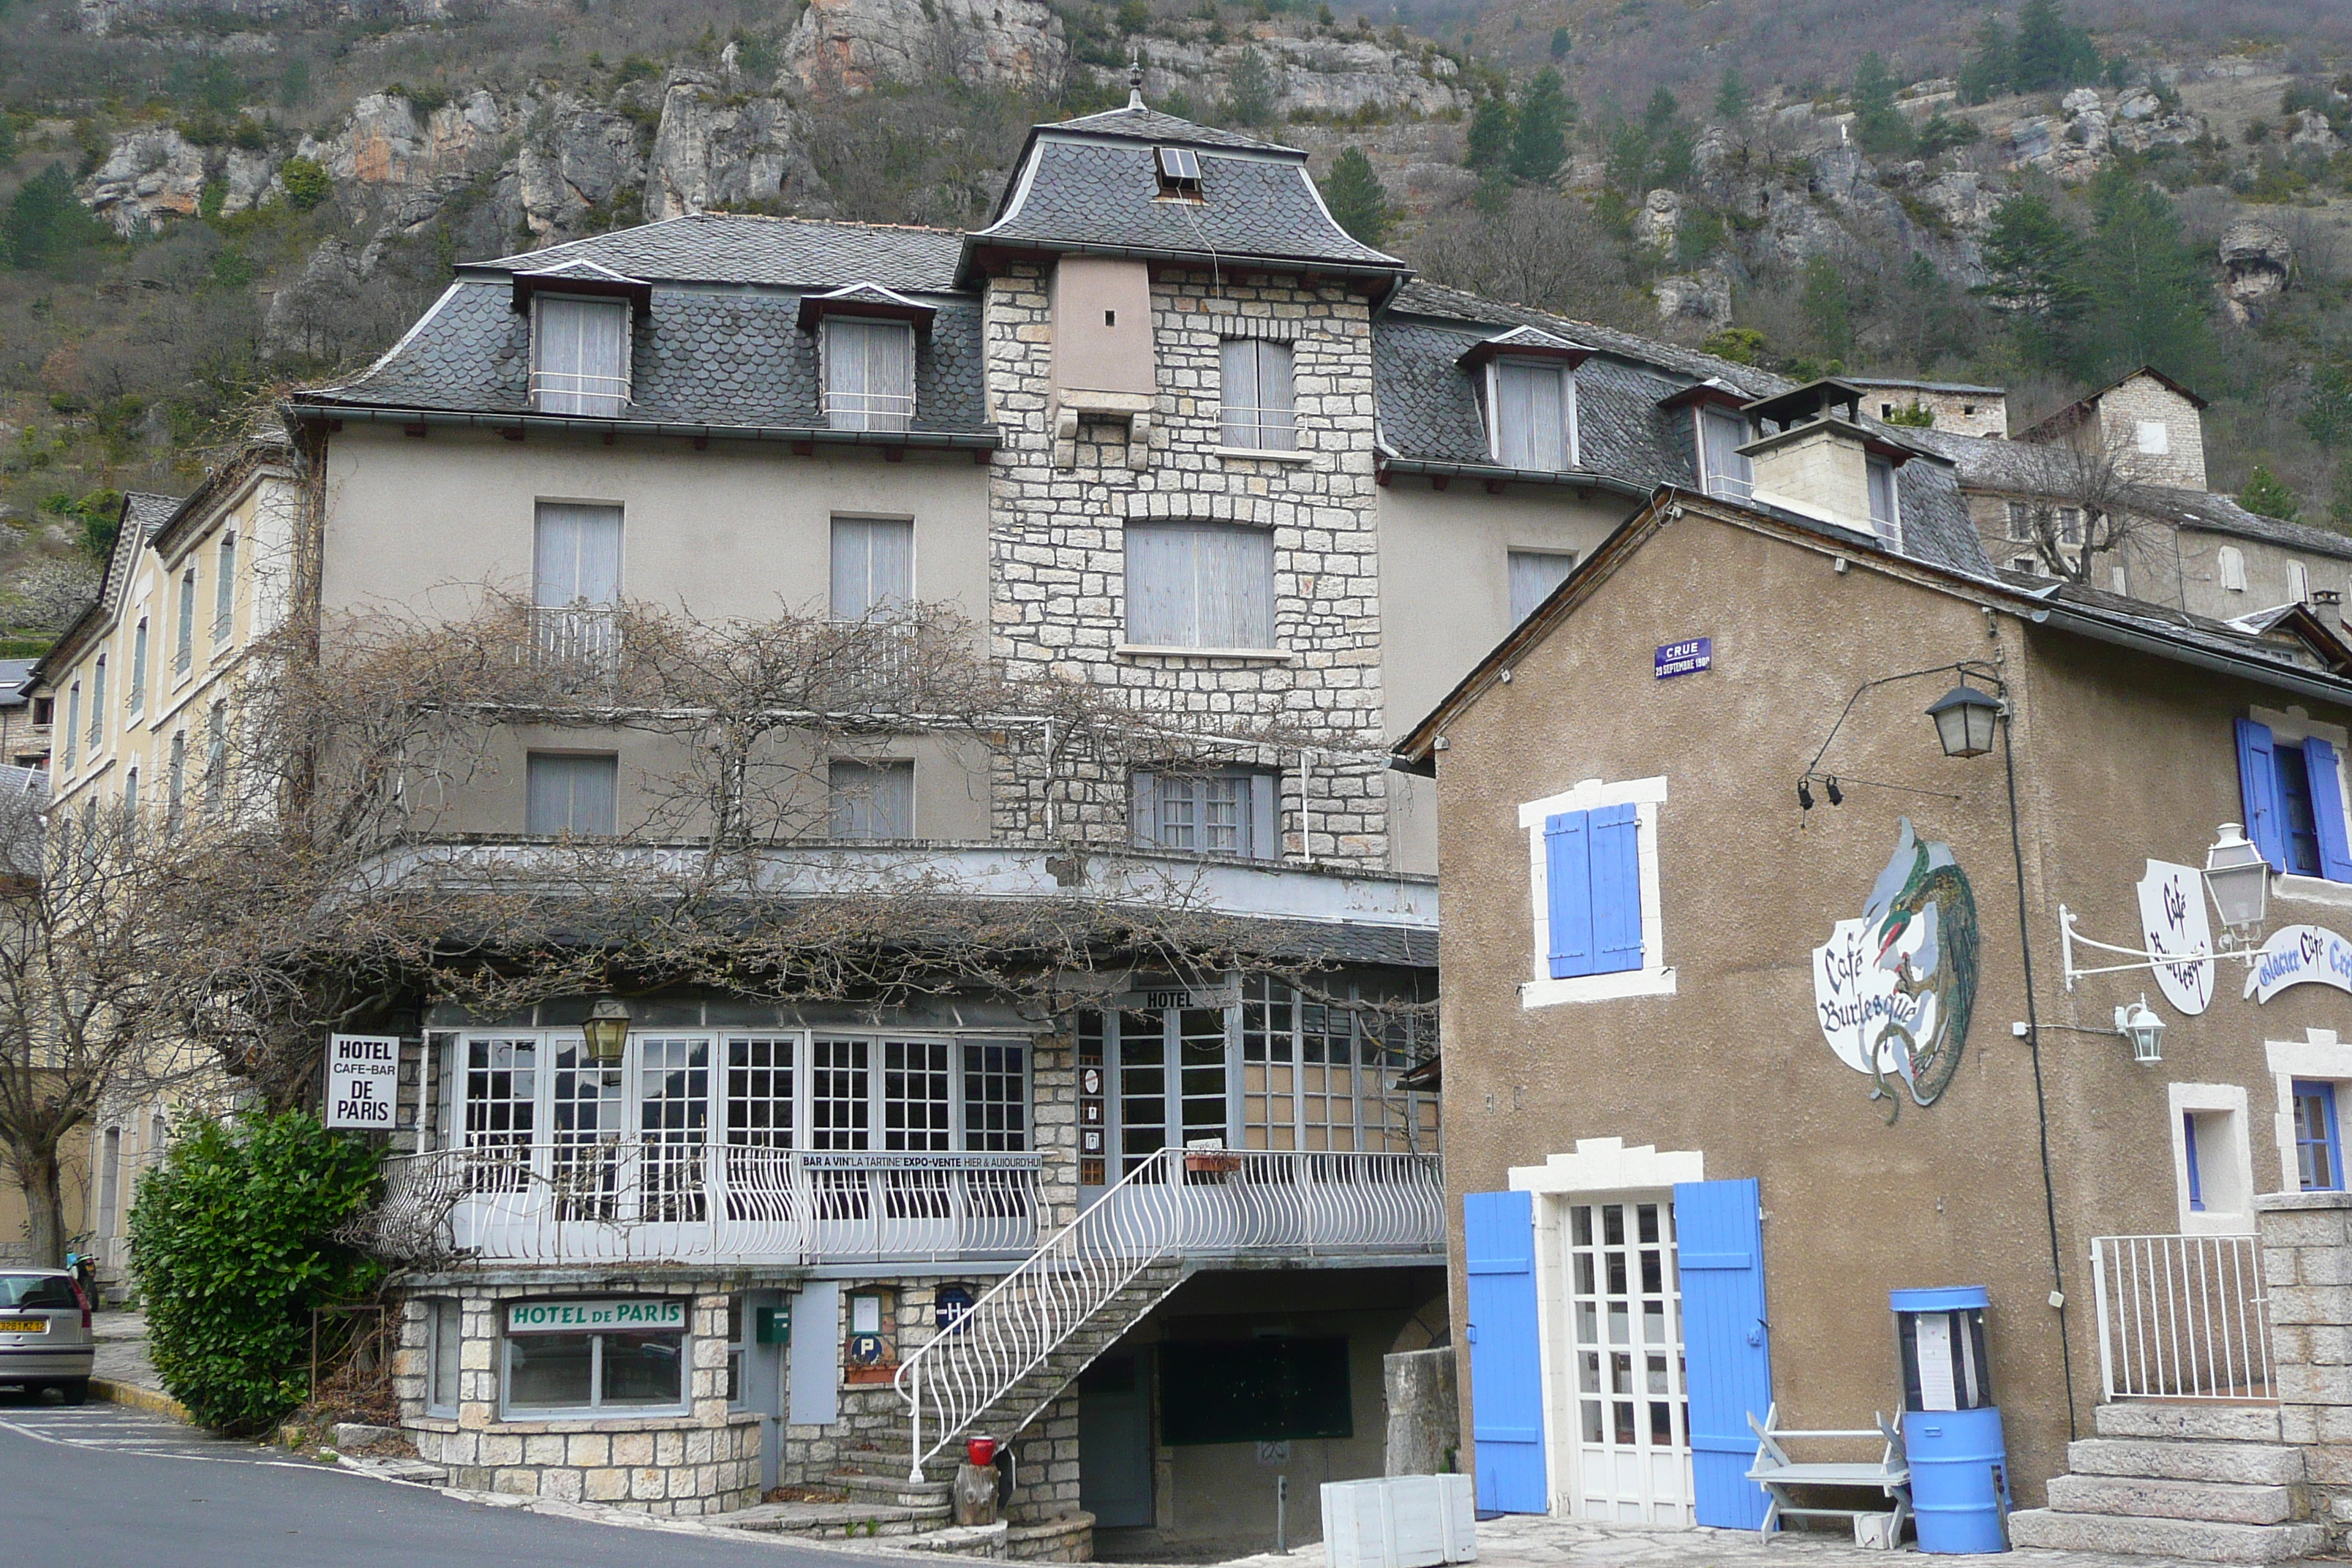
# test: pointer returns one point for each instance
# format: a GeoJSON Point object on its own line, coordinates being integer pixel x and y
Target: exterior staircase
{"type": "Point", "coordinates": [2203, 1480]}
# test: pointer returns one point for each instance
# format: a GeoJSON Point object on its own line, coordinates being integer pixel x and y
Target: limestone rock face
{"type": "Point", "coordinates": [2312, 130]}
{"type": "Point", "coordinates": [855, 46]}
{"type": "Point", "coordinates": [149, 178]}
{"type": "Point", "coordinates": [1317, 75]}
{"type": "Point", "coordinates": [576, 158]}
{"type": "Point", "coordinates": [715, 150]}
{"type": "Point", "coordinates": [1702, 298]}
{"type": "Point", "coordinates": [1660, 220]}
{"type": "Point", "coordinates": [385, 142]}
{"type": "Point", "coordinates": [2257, 262]}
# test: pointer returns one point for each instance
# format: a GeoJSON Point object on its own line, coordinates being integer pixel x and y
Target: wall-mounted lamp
{"type": "Point", "coordinates": [1964, 719]}
{"type": "Point", "coordinates": [2238, 877]}
{"type": "Point", "coordinates": [2138, 1024]}
{"type": "Point", "coordinates": [606, 1030]}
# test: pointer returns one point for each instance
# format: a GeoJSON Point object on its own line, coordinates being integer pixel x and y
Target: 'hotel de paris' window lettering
{"type": "Point", "coordinates": [1894, 988]}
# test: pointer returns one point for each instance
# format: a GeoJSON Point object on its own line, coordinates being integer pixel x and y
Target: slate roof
{"type": "Point", "coordinates": [14, 673]}
{"type": "Point", "coordinates": [1428, 409]}
{"type": "Point", "coordinates": [2305, 647]}
{"type": "Point", "coordinates": [724, 360]}
{"type": "Point", "coordinates": [1142, 124]}
{"type": "Point", "coordinates": [1105, 193]}
{"type": "Point", "coordinates": [780, 253]}
{"type": "Point", "coordinates": [146, 511]}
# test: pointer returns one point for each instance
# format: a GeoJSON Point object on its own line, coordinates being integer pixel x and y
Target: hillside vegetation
{"type": "Point", "coordinates": [200, 204]}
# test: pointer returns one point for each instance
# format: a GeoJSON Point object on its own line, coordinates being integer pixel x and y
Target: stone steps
{"type": "Point", "coordinates": [840, 1520]}
{"type": "Point", "coordinates": [2201, 1480]}
{"type": "Point", "coordinates": [2197, 1539]}
{"type": "Point", "coordinates": [2246, 1464]}
{"type": "Point", "coordinates": [889, 1489]}
{"type": "Point", "coordinates": [2221, 1502]}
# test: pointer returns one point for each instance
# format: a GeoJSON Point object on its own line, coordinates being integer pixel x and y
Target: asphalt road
{"type": "Point", "coordinates": [103, 1487]}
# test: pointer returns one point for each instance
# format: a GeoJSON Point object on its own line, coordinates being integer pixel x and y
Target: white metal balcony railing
{"type": "Point", "coordinates": [1257, 428]}
{"type": "Point", "coordinates": [2181, 1317]}
{"type": "Point", "coordinates": [868, 410]}
{"type": "Point", "coordinates": [1175, 1203]}
{"type": "Point", "coordinates": [613, 1201]}
{"type": "Point", "coordinates": [585, 634]}
{"type": "Point", "coordinates": [579, 391]}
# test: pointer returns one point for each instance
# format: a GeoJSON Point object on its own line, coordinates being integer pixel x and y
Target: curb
{"type": "Point", "coordinates": [138, 1398]}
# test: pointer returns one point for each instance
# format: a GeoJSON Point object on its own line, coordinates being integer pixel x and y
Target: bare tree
{"type": "Point", "coordinates": [2078, 500]}
{"type": "Point", "coordinates": [1540, 248]}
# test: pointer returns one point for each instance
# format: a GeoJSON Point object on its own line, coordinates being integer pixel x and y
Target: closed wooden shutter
{"type": "Point", "coordinates": [1616, 890]}
{"type": "Point", "coordinates": [1567, 893]}
{"type": "Point", "coordinates": [2326, 768]}
{"type": "Point", "coordinates": [1143, 809]}
{"type": "Point", "coordinates": [2258, 792]}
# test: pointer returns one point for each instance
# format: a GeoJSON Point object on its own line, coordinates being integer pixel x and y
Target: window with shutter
{"type": "Point", "coordinates": [2292, 794]}
{"type": "Point", "coordinates": [225, 589]}
{"type": "Point", "coordinates": [2298, 583]}
{"type": "Point", "coordinates": [1200, 585]}
{"type": "Point", "coordinates": [1593, 861]}
{"type": "Point", "coordinates": [73, 719]}
{"type": "Point", "coordinates": [1534, 413]}
{"type": "Point", "coordinates": [869, 374]}
{"type": "Point", "coordinates": [571, 793]}
{"type": "Point", "coordinates": [184, 657]}
{"type": "Point", "coordinates": [2230, 566]}
{"type": "Point", "coordinates": [137, 696]}
{"type": "Point", "coordinates": [1225, 811]}
{"type": "Point", "coordinates": [1257, 397]}
{"type": "Point", "coordinates": [873, 566]}
{"type": "Point", "coordinates": [579, 352]}
{"type": "Point", "coordinates": [871, 799]}
{"type": "Point", "coordinates": [1533, 574]}
{"type": "Point", "coordinates": [1723, 471]}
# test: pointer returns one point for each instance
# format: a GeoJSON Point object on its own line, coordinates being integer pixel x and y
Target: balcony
{"type": "Point", "coordinates": [621, 1202]}
{"type": "Point", "coordinates": [574, 637]}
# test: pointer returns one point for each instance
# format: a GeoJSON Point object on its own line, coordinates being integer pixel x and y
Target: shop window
{"type": "Point", "coordinates": [2318, 1147]}
{"type": "Point", "coordinates": [618, 1372]}
{"type": "Point", "coordinates": [1265, 1390]}
{"type": "Point", "coordinates": [2292, 794]}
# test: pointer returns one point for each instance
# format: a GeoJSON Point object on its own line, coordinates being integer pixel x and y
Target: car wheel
{"type": "Point", "coordinates": [75, 1390]}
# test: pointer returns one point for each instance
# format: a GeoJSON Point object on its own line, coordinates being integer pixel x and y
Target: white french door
{"type": "Point", "coordinates": [1632, 1455]}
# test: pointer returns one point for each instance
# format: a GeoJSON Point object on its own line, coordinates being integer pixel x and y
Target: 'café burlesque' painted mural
{"type": "Point", "coordinates": [1894, 989]}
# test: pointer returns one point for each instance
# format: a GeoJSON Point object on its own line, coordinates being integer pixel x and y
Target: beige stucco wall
{"type": "Point", "coordinates": [1445, 590]}
{"type": "Point", "coordinates": [1092, 353]}
{"type": "Point", "coordinates": [736, 530]}
{"type": "Point", "coordinates": [1817, 471]}
{"type": "Point", "coordinates": [2116, 760]}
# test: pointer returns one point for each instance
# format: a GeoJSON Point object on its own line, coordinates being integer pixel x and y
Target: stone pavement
{"type": "Point", "coordinates": [1531, 1541]}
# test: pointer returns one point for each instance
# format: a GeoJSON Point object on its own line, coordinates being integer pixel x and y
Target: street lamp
{"type": "Point", "coordinates": [2239, 878]}
{"type": "Point", "coordinates": [1964, 719]}
{"type": "Point", "coordinates": [2140, 1025]}
{"type": "Point", "coordinates": [606, 1029]}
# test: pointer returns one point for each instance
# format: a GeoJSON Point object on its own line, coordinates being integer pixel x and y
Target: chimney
{"type": "Point", "coordinates": [1817, 460]}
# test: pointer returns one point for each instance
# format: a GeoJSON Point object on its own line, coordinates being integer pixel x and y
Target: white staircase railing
{"type": "Point", "coordinates": [2181, 1317]}
{"type": "Point", "coordinates": [1190, 1203]}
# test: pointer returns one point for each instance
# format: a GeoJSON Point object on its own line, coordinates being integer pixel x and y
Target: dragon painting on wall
{"type": "Point", "coordinates": [1894, 988]}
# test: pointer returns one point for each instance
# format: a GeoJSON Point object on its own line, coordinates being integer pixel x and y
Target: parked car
{"type": "Point", "coordinates": [45, 1338]}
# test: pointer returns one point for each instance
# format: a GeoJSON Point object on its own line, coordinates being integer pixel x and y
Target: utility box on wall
{"type": "Point", "coordinates": [1399, 1522]}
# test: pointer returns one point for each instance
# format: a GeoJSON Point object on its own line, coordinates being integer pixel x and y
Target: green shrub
{"type": "Point", "coordinates": [231, 1243]}
{"type": "Point", "coordinates": [306, 181]}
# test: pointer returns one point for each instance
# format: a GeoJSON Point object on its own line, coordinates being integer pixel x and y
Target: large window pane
{"type": "Point", "coordinates": [577, 555]}
{"type": "Point", "coordinates": [582, 351]}
{"type": "Point", "coordinates": [1256, 395]}
{"type": "Point", "coordinates": [917, 1113]}
{"type": "Point", "coordinates": [551, 1372]}
{"type": "Point", "coordinates": [996, 1098]}
{"type": "Point", "coordinates": [873, 566]}
{"type": "Point", "coordinates": [571, 793]}
{"type": "Point", "coordinates": [1198, 585]}
{"type": "Point", "coordinates": [643, 1370]}
{"type": "Point", "coordinates": [869, 374]}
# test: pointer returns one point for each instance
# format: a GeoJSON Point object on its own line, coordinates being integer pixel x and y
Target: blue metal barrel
{"type": "Point", "coordinates": [1959, 1479]}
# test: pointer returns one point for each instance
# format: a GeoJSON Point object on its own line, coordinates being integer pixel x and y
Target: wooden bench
{"type": "Point", "coordinates": [1779, 1475]}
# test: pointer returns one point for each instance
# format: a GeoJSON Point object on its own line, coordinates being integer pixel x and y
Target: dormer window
{"type": "Point", "coordinates": [1533, 408]}
{"type": "Point", "coordinates": [1724, 470]}
{"type": "Point", "coordinates": [869, 374]}
{"type": "Point", "coordinates": [1886, 507]}
{"type": "Point", "coordinates": [579, 355]}
{"type": "Point", "coordinates": [1180, 173]}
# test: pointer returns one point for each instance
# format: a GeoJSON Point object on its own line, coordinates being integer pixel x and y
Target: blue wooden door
{"type": "Point", "coordinates": [1727, 1346]}
{"type": "Point", "coordinates": [1505, 1364]}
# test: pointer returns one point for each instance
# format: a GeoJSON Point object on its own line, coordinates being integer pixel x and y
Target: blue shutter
{"type": "Point", "coordinates": [1616, 892]}
{"type": "Point", "coordinates": [1719, 1241]}
{"type": "Point", "coordinates": [1567, 884]}
{"type": "Point", "coordinates": [2320, 760]}
{"type": "Point", "coordinates": [2258, 792]}
{"type": "Point", "coordinates": [1498, 1245]}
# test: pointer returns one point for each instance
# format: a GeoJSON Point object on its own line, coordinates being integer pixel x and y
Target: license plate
{"type": "Point", "coordinates": [24, 1325]}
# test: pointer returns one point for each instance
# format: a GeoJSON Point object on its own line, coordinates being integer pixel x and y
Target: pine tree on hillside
{"type": "Point", "coordinates": [1991, 66]}
{"type": "Point", "coordinates": [1357, 200]}
{"type": "Point", "coordinates": [1879, 127]}
{"type": "Point", "coordinates": [1249, 91]}
{"type": "Point", "coordinates": [1539, 142]}
{"type": "Point", "coordinates": [1559, 43]}
{"type": "Point", "coordinates": [2051, 53]}
{"type": "Point", "coordinates": [1732, 99]}
{"type": "Point", "coordinates": [1827, 308]}
{"type": "Point", "coordinates": [1490, 134]}
{"type": "Point", "coordinates": [2265, 496]}
{"type": "Point", "coordinates": [2033, 261]}
{"type": "Point", "coordinates": [2148, 288]}
{"type": "Point", "coordinates": [45, 223]}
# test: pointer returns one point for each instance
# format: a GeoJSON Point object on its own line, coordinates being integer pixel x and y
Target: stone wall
{"type": "Point", "coordinates": [706, 1461]}
{"type": "Point", "coordinates": [1058, 553]}
{"type": "Point", "coordinates": [2306, 1242]}
{"type": "Point", "coordinates": [2143, 397]}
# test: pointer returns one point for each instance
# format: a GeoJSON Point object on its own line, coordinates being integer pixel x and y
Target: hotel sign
{"type": "Point", "coordinates": [626, 1314]}
{"type": "Point", "coordinates": [363, 1081]}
